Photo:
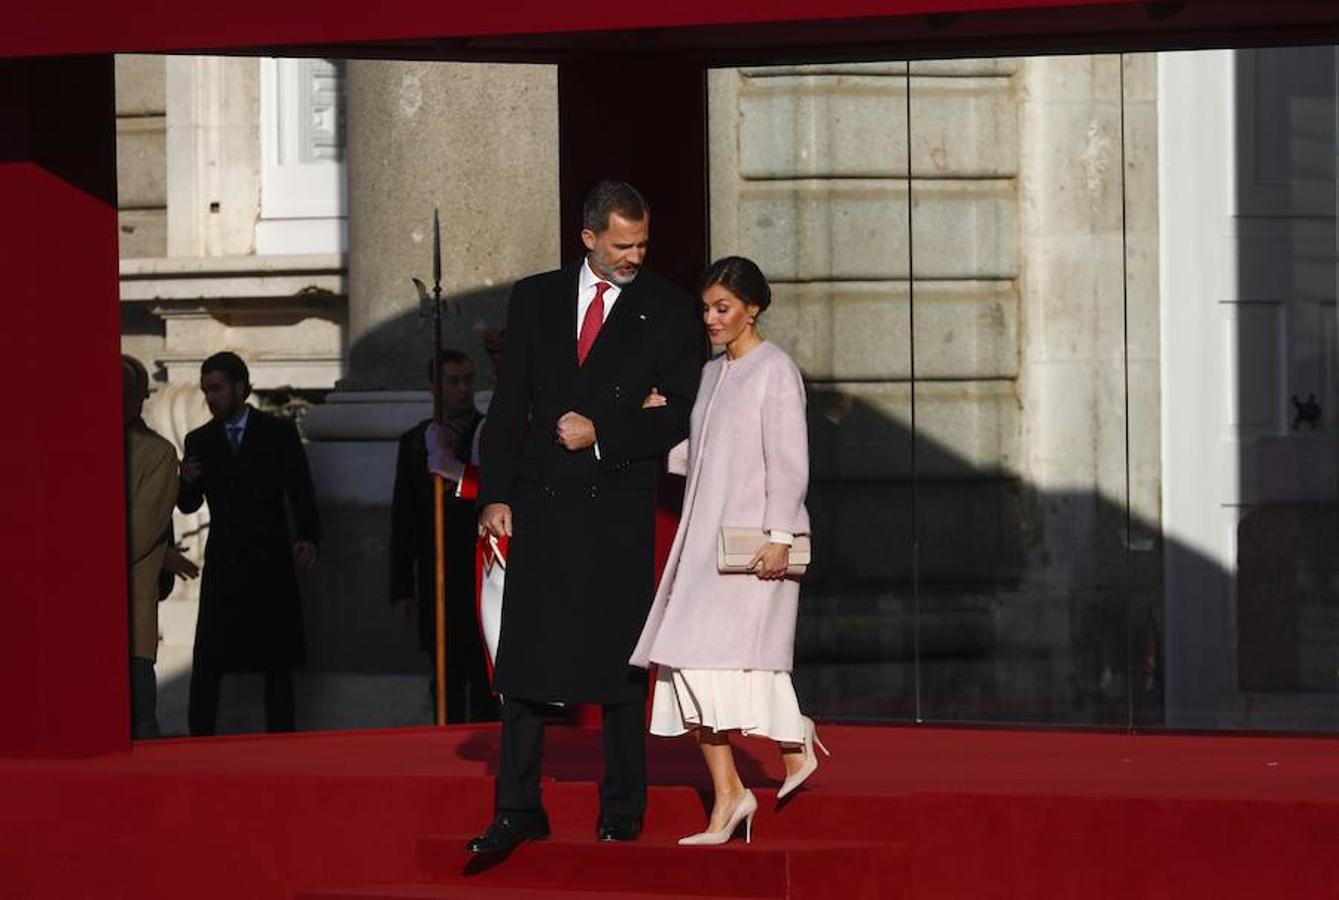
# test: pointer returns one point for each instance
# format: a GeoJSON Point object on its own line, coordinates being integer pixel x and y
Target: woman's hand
{"type": "Point", "coordinates": [655, 398]}
{"type": "Point", "coordinates": [771, 562]}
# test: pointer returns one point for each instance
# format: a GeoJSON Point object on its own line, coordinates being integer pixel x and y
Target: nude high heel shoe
{"type": "Point", "coordinates": [810, 760]}
{"type": "Point", "coordinates": [748, 805]}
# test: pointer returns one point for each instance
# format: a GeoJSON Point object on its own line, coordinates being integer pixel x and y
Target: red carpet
{"type": "Point", "coordinates": [896, 812]}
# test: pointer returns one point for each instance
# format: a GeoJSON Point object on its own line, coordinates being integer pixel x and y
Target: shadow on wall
{"type": "Point", "coordinates": [938, 597]}
{"type": "Point", "coordinates": [937, 594]}
{"type": "Point", "coordinates": [971, 595]}
{"type": "Point", "coordinates": [394, 354]}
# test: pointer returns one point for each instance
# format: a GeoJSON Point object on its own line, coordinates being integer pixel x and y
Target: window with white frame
{"type": "Point", "coordinates": [303, 197]}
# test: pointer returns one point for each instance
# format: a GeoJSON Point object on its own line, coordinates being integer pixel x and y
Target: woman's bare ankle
{"type": "Point", "coordinates": [730, 795]}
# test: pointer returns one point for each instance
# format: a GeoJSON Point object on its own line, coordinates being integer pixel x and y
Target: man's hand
{"type": "Point", "coordinates": [304, 554]}
{"type": "Point", "coordinates": [770, 563]}
{"type": "Point", "coordinates": [176, 562]}
{"type": "Point", "coordinates": [191, 470]}
{"type": "Point", "coordinates": [575, 431]}
{"type": "Point", "coordinates": [496, 519]}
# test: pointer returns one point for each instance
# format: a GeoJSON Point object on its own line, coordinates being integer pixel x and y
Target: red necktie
{"type": "Point", "coordinates": [590, 325]}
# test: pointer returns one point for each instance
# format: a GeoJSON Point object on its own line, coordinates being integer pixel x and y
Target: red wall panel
{"type": "Point", "coordinates": [63, 675]}
{"type": "Point", "coordinates": [144, 25]}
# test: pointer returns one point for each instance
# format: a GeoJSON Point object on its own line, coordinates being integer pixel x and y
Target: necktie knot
{"type": "Point", "coordinates": [235, 437]}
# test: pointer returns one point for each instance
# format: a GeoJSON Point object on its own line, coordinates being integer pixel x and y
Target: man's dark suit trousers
{"type": "Point", "coordinates": [623, 790]}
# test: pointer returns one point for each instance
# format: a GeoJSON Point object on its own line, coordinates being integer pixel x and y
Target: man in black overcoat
{"type": "Point", "coordinates": [247, 463]}
{"type": "Point", "coordinates": [570, 465]}
{"type": "Point", "coordinates": [469, 698]}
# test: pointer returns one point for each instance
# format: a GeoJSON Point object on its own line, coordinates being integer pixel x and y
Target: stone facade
{"type": "Point", "coordinates": [141, 155]}
{"type": "Point", "coordinates": [199, 274]}
{"type": "Point", "coordinates": [970, 458]}
{"type": "Point", "coordinates": [980, 340]}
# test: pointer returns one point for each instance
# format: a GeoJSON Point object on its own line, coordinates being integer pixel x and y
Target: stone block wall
{"type": "Point", "coordinates": [141, 186]}
{"type": "Point", "coordinates": [141, 154]}
{"type": "Point", "coordinates": [980, 340]}
{"type": "Point", "coordinates": [963, 334]}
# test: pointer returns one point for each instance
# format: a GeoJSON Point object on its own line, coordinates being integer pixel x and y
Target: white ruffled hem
{"type": "Point", "coordinates": [752, 701]}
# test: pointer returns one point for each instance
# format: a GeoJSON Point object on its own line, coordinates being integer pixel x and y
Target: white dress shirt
{"type": "Point", "coordinates": [586, 294]}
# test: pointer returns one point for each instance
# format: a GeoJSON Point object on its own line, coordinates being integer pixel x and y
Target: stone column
{"type": "Point", "coordinates": [479, 143]}
{"type": "Point", "coordinates": [1090, 368]}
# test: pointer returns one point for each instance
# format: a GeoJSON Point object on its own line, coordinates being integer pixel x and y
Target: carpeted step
{"type": "Point", "coordinates": [673, 811]}
{"type": "Point", "coordinates": [771, 867]}
{"type": "Point", "coordinates": [472, 891]}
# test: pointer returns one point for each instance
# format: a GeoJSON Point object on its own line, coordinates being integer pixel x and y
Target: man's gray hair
{"type": "Point", "coordinates": [607, 198]}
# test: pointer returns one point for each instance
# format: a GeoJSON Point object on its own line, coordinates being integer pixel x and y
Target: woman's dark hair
{"type": "Point", "coordinates": [741, 277]}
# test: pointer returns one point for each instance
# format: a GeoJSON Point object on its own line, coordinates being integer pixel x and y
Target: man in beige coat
{"type": "Point", "coordinates": [151, 492]}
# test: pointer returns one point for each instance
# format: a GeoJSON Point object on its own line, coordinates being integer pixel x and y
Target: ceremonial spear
{"type": "Point", "coordinates": [438, 482]}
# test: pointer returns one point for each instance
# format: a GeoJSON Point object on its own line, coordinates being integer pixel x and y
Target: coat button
{"type": "Point", "coordinates": [594, 492]}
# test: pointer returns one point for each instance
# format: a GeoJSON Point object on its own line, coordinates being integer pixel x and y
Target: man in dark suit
{"type": "Point", "coordinates": [445, 448]}
{"type": "Point", "coordinates": [570, 464]}
{"type": "Point", "coordinates": [246, 463]}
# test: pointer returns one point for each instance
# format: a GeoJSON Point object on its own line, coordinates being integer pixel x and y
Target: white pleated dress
{"type": "Point", "coordinates": [758, 702]}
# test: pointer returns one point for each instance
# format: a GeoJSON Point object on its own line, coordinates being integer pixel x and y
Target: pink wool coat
{"type": "Point", "coordinates": [748, 466]}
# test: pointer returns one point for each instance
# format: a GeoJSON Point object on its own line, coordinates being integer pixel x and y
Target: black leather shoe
{"type": "Point", "coordinates": [614, 829]}
{"type": "Point", "coordinates": [509, 829]}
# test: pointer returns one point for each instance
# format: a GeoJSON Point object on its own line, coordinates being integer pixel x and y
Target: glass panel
{"type": "Point", "coordinates": [1252, 436]}
{"type": "Point", "coordinates": [808, 178]}
{"type": "Point", "coordinates": [1020, 387]}
{"type": "Point", "coordinates": [1119, 452]}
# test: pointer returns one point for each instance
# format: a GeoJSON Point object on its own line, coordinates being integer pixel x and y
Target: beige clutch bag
{"type": "Point", "coordinates": [738, 546]}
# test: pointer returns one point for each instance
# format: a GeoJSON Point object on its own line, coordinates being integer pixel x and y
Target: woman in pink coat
{"type": "Point", "coordinates": [723, 643]}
